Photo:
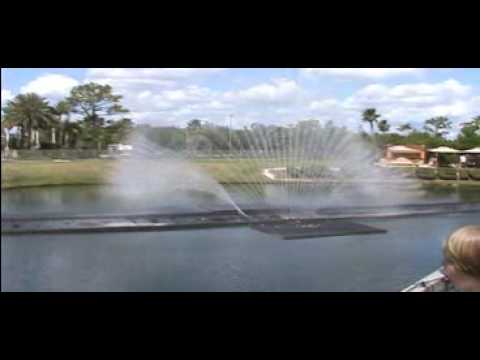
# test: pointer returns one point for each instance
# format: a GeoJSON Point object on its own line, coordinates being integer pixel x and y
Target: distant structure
{"type": "Point", "coordinates": [472, 157]}
{"type": "Point", "coordinates": [115, 150]}
{"type": "Point", "coordinates": [404, 155]}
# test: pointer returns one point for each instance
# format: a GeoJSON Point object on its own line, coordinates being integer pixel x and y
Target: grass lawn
{"type": "Point", "coordinates": [27, 173]}
{"type": "Point", "coordinates": [97, 171]}
{"type": "Point", "coordinates": [46, 172]}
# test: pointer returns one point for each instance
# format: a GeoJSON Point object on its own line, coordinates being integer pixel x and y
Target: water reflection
{"type": "Point", "coordinates": [103, 199]}
{"type": "Point", "coordinates": [237, 259]}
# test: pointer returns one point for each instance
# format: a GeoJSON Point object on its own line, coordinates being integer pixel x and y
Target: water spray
{"type": "Point", "coordinates": [240, 211]}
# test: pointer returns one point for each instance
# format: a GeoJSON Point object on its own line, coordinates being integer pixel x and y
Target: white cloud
{"type": "Point", "coordinates": [6, 95]}
{"type": "Point", "coordinates": [456, 109]}
{"type": "Point", "coordinates": [188, 101]}
{"type": "Point", "coordinates": [475, 103]}
{"type": "Point", "coordinates": [172, 97]}
{"type": "Point", "coordinates": [122, 78]}
{"type": "Point", "coordinates": [178, 102]}
{"type": "Point", "coordinates": [401, 103]}
{"type": "Point", "coordinates": [283, 101]}
{"type": "Point", "coordinates": [368, 73]}
{"type": "Point", "coordinates": [324, 104]}
{"type": "Point", "coordinates": [409, 96]}
{"type": "Point", "coordinates": [191, 95]}
{"type": "Point", "coordinates": [159, 73]}
{"type": "Point", "coordinates": [162, 95]}
{"type": "Point", "coordinates": [177, 106]}
{"type": "Point", "coordinates": [52, 86]}
{"type": "Point", "coordinates": [278, 91]}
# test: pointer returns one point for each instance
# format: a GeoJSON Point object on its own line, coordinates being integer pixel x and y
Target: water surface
{"type": "Point", "coordinates": [233, 259]}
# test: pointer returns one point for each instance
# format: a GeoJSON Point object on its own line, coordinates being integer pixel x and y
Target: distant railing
{"type": "Point", "coordinates": [70, 154]}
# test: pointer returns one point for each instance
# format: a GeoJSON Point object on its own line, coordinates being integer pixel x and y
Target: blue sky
{"type": "Point", "coordinates": [270, 96]}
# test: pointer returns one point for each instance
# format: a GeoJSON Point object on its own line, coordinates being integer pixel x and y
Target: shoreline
{"type": "Point", "coordinates": [45, 173]}
{"type": "Point", "coordinates": [449, 183]}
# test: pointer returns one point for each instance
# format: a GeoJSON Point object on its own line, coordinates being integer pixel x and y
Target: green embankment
{"type": "Point", "coordinates": [226, 171]}
{"type": "Point", "coordinates": [96, 171]}
{"type": "Point", "coordinates": [46, 172]}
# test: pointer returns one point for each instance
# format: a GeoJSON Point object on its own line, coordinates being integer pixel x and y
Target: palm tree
{"type": "Point", "coordinates": [383, 126]}
{"type": "Point", "coordinates": [71, 131]}
{"type": "Point", "coordinates": [6, 125]}
{"type": "Point", "coordinates": [5, 136]}
{"type": "Point", "coordinates": [62, 108]}
{"type": "Point", "coordinates": [404, 127]}
{"type": "Point", "coordinates": [30, 112]}
{"type": "Point", "coordinates": [194, 124]}
{"type": "Point", "coordinates": [438, 126]}
{"type": "Point", "coordinates": [371, 117]}
{"type": "Point", "coordinates": [474, 124]}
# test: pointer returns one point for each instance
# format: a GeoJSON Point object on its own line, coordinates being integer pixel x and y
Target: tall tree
{"type": "Point", "coordinates": [469, 136]}
{"type": "Point", "coordinates": [438, 126]}
{"type": "Point", "coordinates": [371, 117]}
{"type": "Point", "coordinates": [118, 131]}
{"type": "Point", "coordinates": [96, 103]}
{"type": "Point", "coordinates": [194, 124]}
{"type": "Point", "coordinates": [473, 124]}
{"type": "Point", "coordinates": [30, 112]}
{"type": "Point", "coordinates": [403, 128]}
{"type": "Point", "coordinates": [72, 131]}
{"type": "Point", "coordinates": [383, 126]}
{"type": "Point", "coordinates": [63, 110]}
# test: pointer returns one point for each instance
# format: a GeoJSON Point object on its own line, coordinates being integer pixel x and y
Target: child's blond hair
{"type": "Point", "coordinates": [462, 249]}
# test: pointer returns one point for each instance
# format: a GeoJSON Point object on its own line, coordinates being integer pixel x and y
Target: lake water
{"type": "Point", "coordinates": [232, 259]}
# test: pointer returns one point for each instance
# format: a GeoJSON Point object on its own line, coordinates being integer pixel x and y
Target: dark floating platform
{"type": "Point", "coordinates": [288, 223]}
{"type": "Point", "coordinates": [312, 228]}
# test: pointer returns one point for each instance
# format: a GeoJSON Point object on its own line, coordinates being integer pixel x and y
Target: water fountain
{"type": "Point", "coordinates": [150, 168]}
{"type": "Point", "coordinates": [162, 178]}
{"type": "Point", "coordinates": [299, 177]}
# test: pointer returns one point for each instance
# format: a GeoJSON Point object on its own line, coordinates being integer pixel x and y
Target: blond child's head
{"type": "Point", "coordinates": [461, 253]}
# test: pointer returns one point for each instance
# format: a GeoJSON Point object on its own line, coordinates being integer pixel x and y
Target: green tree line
{"type": "Point", "coordinates": [434, 132]}
{"type": "Point", "coordinates": [40, 124]}
{"type": "Point", "coordinates": [204, 135]}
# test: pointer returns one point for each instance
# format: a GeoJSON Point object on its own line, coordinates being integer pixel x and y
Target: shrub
{"type": "Point", "coordinates": [451, 174]}
{"type": "Point", "coordinates": [49, 146]}
{"type": "Point", "coordinates": [310, 172]}
{"type": "Point", "coordinates": [474, 174]}
{"type": "Point", "coordinates": [400, 172]}
{"type": "Point", "coordinates": [293, 172]}
{"type": "Point", "coordinates": [425, 173]}
{"type": "Point", "coordinates": [464, 174]}
{"type": "Point", "coordinates": [447, 174]}
{"type": "Point", "coordinates": [57, 154]}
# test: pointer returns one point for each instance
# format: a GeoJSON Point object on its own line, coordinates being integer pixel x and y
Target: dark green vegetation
{"type": "Point", "coordinates": [88, 118]}
{"type": "Point", "coordinates": [447, 174]}
{"type": "Point", "coordinates": [434, 134]}
{"type": "Point", "coordinates": [311, 171]}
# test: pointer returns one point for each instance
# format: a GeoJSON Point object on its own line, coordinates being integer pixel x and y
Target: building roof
{"type": "Point", "coordinates": [401, 160]}
{"type": "Point", "coordinates": [444, 149]}
{"type": "Point", "coordinates": [404, 149]}
{"type": "Point", "coordinates": [475, 150]}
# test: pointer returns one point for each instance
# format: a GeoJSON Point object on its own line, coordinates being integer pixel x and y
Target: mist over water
{"type": "Point", "coordinates": [164, 178]}
{"type": "Point", "coordinates": [161, 178]}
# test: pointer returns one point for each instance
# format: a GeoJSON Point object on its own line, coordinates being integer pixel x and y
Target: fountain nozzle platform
{"type": "Point", "coordinates": [312, 228]}
{"type": "Point", "coordinates": [288, 223]}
